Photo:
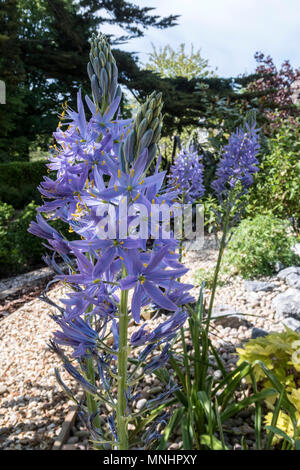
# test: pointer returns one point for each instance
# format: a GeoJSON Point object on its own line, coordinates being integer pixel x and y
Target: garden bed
{"type": "Point", "coordinates": [32, 406]}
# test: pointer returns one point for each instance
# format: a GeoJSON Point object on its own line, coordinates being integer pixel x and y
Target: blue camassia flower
{"type": "Point", "coordinates": [165, 331]}
{"type": "Point", "coordinates": [238, 162]}
{"type": "Point", "coordinates": [186, 175]}
{"type": "Point", "coordinates": [43, 230]}
{"type": "Point", "coordinates": [76, 333]}
{"type": "Point", "coordinates": [145, 279]}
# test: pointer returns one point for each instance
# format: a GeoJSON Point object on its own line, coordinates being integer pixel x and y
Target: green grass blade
{"type": "Point", "coordinates": [205, 440]}
{"type": "Point", "coordinates": [234, 408]}
{"type": "Point", "coordinates": [279, 432]}
{"type": "Point", "coordinates": [174, 422]}
{"type": "Point", "coordinates": [275, 419]}
{"type": "Point", "coordinates": [218, 359]}
{"type": "Point", "coordinates": [220, 427]}
{"type": "Point", "coordinates": [258, 415]}
{"type": "Point", "coordinates": [187, 438]}
{"type": "Point", "coordinates": [231, 383]}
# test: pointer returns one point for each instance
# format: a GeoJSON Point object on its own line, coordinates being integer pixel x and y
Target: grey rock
{"type": "Point", "coordinates": [155, 390]}
{"type": "Point", "coordinates": [68, 447]}
{"type": "Point", "coordinates": [141, 403]}
{"type": "Point", "coordinates": [13, 285]}
{"type": "Point", "coordinates": [293, 280]}
{"type": "Point", "coordinates": [296, 249]}
{"type": "Point", "coordinates": [81, 447]}
{"type": "Point", "coordinates": [174, 446]}
{"type": "Point", "coordinates": [245, 413]}
{"type": "Point", "coordinates": [246, 429]}
{"type": "Point", "coordinates": [237, 447]}
{"type": "Point", "coordinates": [3, 389]}
{"type": "Point", "coordinates": [73, 440]}
{"type": "Point", "coordinates": [227, 316]}
{"type": "Point", "coordinates": [291, 275]}
{"type": "Point", "coordinates": [278, 266]}
{"type": "Point", "coordinates": [81, 433]}
{"type": "Point", "coordinates": [287, 304]}
{"type": "Point", "coordinates": [284, 273]}
{"type": "Point", "coordinates": [258, 333]}
{"type": "Point", "coordinates": [292, 323]}
{"type": "Point", "coordinates": [218, 375]}
{"type": "Point", "coordinates": [256, 286]}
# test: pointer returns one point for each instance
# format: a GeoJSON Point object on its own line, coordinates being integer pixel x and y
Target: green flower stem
{"type": "Point", "coordinates": [90, 375]}
{"type": "Point", "coordinates": [122, 422]}
{"type": "Point", "coordinates": [90, 400]}
{"type": "Point", "coordinates": [205, 339]}
{"type": "Point", "coordinates": [181, 240]}
{"type": "Point", "coordinates": [187, 384]}
{"type": "Point", "coordinates": [217, 270]}
{"type": "Point", "coordinates": [187, 381]}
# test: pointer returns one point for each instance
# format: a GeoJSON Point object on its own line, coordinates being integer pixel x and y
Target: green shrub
{"type": "Point", "coordinates": [280, 352]}
{"type": "Point", "coordinates": [207, 276]}
{"type": "Point", "coordinates": [29, 250]}
{"type": "Point", "coordinates": [257, 245]}
{"type": "Point", "coordinates": [19, 181]}
{"type": "Point", "coordinates": [6, 213]}
{"type": "Point", "coordinates": [19, 197]}
{"type": "Point", "coordinates": [277, 184]}
{"type": "Point", "coordinates": [211, 209]}
{"type": "Point", "coordinates": [20, 251]}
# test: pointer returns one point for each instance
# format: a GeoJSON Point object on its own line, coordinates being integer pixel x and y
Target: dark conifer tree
{"type": "Point", "coordinates": [44, 51]}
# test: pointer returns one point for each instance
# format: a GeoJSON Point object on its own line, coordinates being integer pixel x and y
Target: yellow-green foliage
{"type": "Point", "coordinates": [284, 422]}
{"type": "Point", "coordinates": [280, 352]}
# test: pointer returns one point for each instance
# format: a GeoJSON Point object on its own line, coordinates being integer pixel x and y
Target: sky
{"type": "Point", "coordinates": [228, 32]}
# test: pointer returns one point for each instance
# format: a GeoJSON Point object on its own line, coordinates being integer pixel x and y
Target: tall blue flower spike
{"type": "Point", "coordinates": [99, 159]}
{"type": "Point", "coordinates": [238, 162]}
{"type": "Point", "coordinates": [186, 174]}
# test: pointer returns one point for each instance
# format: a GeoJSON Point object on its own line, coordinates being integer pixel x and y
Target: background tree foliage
{"type": "Point", "coordinates": [277, 99]}
{"type": "Point", "coordinates": [276, 186]}
{"type": "Point", "coordinates": [43, 55]}
{"type": "Point", "coordinates": [12, 140]}
{"type": "Point", "coordinates": [171, 63]}
{"type": "Point", "coordinates": [44, 49]}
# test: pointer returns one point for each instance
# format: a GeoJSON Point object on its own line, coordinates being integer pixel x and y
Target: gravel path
{"type": "Point", "coordinates": [255, 307]}
{"type": "Point", "coordinates": [32, 406]}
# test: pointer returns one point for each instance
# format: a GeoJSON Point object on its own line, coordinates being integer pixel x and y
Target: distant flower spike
{"type": "Point", "coordinates": [186, 174]}
{"type": "Point", "coordinates": [238, 162]}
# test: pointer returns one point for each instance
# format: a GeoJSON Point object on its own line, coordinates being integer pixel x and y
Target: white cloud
{"type": "Point", "coordinates": [228, 32]}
